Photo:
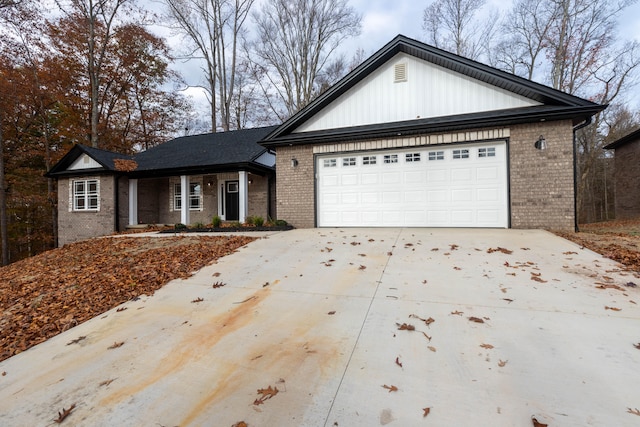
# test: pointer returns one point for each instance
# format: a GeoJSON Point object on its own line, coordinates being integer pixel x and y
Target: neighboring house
{"type": "Point", "coordinates": [627, 175]}
{"type": "Point", "coordinates": [186, 180]}
{"type": "Point", "coordinates": [419, 137]}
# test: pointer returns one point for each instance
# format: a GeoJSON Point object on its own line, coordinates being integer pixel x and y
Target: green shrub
{"type": "Point", "coordinates": [180, 226]}
{"type": "Point", "coordinates": [216, 222]}
{"type": "Point", "coordinates": [198, 225]}
{"type": "Point", "coordinates": [235, 224]}
{"type": "Point", "coordinates": [280, 222]}
{"type": "Point", "coordinates": [258, 221]}
{"type": "Point", "coordinates": [249, 220]}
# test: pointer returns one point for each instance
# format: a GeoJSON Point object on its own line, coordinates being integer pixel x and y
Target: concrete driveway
{"type": "Point", "coordinates": [355, 327]}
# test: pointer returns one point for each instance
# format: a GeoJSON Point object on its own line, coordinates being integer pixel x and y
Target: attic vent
{"type": "Point", "coordinates": [85, 159]}
{"type": "Point", "coordinates": [400, 73]}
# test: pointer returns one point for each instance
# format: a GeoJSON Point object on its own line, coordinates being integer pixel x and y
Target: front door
{"type": "Point", "coordinates": [232, 200]}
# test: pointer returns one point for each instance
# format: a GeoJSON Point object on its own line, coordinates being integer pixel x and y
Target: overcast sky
{"type": "Point", "coordinates": [382, 20]}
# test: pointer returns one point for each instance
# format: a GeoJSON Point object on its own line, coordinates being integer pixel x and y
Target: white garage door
{"type": "Point", "coordinates": [457, 186]}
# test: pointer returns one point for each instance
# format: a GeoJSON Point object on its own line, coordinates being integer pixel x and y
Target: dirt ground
{"type": "Point", "coordinates": [618, 240]}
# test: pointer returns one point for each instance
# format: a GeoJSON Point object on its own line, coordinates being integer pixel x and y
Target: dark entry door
{"type": "Point", "coordinates": [232, 200]}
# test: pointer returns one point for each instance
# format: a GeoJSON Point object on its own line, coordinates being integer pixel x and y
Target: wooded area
{"type": "Point", "coordinates": [93, 72]}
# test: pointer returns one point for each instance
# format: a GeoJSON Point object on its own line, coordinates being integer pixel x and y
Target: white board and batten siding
{"type": "Point", "coordinates": [442, 186]}
{"type": "Point", "coordinates": [84, 162]}
{"type": "Point", "coordinates": [427, 91]}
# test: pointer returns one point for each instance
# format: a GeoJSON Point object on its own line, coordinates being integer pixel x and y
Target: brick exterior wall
{"type": "Point", "coordinates": [541, 182]}
{"type": "Point", "coordinates": [74, 226]}
{"type": "Point", "coordinates": [295, 186]}
{"type": "Point", "coordinates": [627, 180]}
{"type": "Point", "coordinates": [542, 186]}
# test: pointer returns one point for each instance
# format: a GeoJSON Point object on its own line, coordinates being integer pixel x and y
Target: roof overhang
{"type": "Point", "coordinates": [440, 124]}
{"type": "Point", "coordinates": [251, 167]}
{"type": "Point", "coordinates": [633, 136]}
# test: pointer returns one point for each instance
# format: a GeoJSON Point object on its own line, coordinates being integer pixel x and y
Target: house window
{"type": "Point", "coordinates": [349, 161]}
{"type": "Point", "coordinates": [391, 158]}
{"type": "Point", "coordinates": [369, 160]}
{"type": "Point", "coordinates": [195, 196]}
{"type": "Point", "coordinates": [412, 157]}
{"type": "Point", "coordinates": [436, 155]}
{"type": "Point", "coordinates": [86, 195]}
{"type": "Point", "coordinates": [330, 163]}
{"type": "Point", "coordinates": [487, 152]}
{"type": "Point", "coordinates": [461, 154]}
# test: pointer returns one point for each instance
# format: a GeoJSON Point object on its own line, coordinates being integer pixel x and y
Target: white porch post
{"type": "Point", "coordinates": [133, 201]}
{"type": "Point", "coordinates": [243, 196]}
{"type": "Point", "coordinates": [184, 199]}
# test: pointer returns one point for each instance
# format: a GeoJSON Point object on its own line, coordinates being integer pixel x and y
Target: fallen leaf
{"type": "Point", "coordinates": [570, 253]}
{"type": "Point", "coordinates": [197, 300]}
{"type": "Point", "coordinates": [634, 411]}
{"type": "Point", "coordinates": [106, 382]}
{"type": "Point", "coordinates": [428, 321]}
{"type": "Point", "coordinates": [216, 274]}
{"type": "Point", "coordinates": [115, 345]}
{"type": "Point", "coordinates": [428, 337]}
{"type": "Point", "coordinates": [389, 253]}
{"type": "Point", "coordinates": [475, 319]}
{"type": "Point", "coordinates": [390, 388]}
{"type": "Point", "coordinates": [363, 255]}
{"type": "Point", "coordinates": [487, 346]}
{"type": "Point", "coordinates": [424, 282]}
{"type": "Point", "coordinates": [608, 286]}
{"type": "Point", "coordinates": [509, 300]}
{"type": "Point", "coordinates": [362, 267]}
{"type": "Point", "coordinates": [631, 285]}
{"type": "Point", "coordinates": [499, 249]}
{"type": "Point", "coordinates": [432, 348]}
{"type": "Point", "coordinates": [77, 340]}
{"type": "Point", "coordinates": [504, 290]}
{"type": "Point", "coordinates": [536, 423]}
{"type": "Point", "coordinates": [606, 307]}
{"type": "Point", "coordinates": [240, 424]}
{"type": "Point", "coordinates": [355, 243]}
{"type": "Point", "coordinates": [454, 247]}
{"type": "Point", "coordinates": [425, 412]}
{"type": "Point", "coordinates": [121, 309]}
{"type": "Point", "coordinates": [405, 327]}
{"type": "Point", "coordinates": [266, 284]}
{"type": "Point", "coordinates": [435, 249]}
{"type": "Point", "coordinates": [457, 268]}
{"type": "Point", "coordinates": [266, 394]}
{"type": "Point", "coordinates": [4, 373]}
{"type": "Point", "coordinates": [398, 361]}
{"type": "Point", "coordinates": [637, 346]}
{"type": "Point", "coordinates": [217, 285]}
{"type": "Point", "coordinates": [331, 313]}
{"type": "Point", "coordinates": [501, 363]}
{"type": "Point", "coordinates": [457, 313]}
{"type": "Point", "coordinates": [537, 279]}
{"type": "Point", "coordinates": [64, 414]}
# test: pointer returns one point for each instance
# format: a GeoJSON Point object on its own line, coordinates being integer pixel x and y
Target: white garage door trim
{"type": "Point", "coordinates": [462, 185]}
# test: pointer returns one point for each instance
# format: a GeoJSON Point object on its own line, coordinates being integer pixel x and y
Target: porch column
{"type": "Point", "coordinates": [243, 196]}
{"type": "Point", "coordinates": [184, 199]}
{"type": "Point", "coordinates": [133, 201]}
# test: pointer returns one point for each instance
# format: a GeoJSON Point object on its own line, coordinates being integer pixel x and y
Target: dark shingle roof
{"type": "Point", "coordinates": [633, 136]}
{"type": "Point", "coordinates": [211, 152]}
{"type": "Point", "coordinates": [210, 149]}
{"type": "Point", "coordinates": [557, 105]}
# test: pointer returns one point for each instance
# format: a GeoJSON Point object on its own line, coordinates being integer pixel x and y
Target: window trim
{"type": "Point", "coordinates": [85, 195]}
{"type": "Point", "coordinates": [176, 202]}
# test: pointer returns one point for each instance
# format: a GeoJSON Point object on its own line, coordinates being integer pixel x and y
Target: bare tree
{"type": "Point", "coordinates": [213, 30]}
{"type": "Point", "coordinates": [295, 42]}
{"type": "Point", "coordinates": [103, 13]}
{"type": "Point", "coordinates": [453, 25]}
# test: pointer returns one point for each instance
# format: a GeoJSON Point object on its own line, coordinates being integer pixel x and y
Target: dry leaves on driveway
{"type": "Point", "coordinates": [54, 291]}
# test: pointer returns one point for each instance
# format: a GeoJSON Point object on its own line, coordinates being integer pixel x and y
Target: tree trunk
{"type": "Point", "coordinates": [3, 203]}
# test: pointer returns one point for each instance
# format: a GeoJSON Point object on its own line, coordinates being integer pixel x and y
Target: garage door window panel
{"type": "Point", "coordinates": [369, 160]}
{"type": "Point", "coordinates": [390, 158]}
{"type": "Point", "coordinates": [460, 154]}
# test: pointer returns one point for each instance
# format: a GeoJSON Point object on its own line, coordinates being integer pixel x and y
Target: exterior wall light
{"type": "Point", "coordinates": [294, 162]}
{"type": "Point", "coordinates": [541, 143]}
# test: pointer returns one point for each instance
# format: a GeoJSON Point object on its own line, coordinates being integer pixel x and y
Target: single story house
{"type": "Point", "coordinates": [419, 137]}
{"type": "Point", "coordinates": [413, 137]}
{"type": "Point", "coordinates": [186, 180]}
{"type": "Point", "coordinates": [627, 175]}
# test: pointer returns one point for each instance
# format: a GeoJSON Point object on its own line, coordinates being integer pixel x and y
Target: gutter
{"type": "Point", "coordinates": [576, 128]}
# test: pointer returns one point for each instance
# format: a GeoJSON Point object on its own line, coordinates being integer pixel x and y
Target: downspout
{"type": "Point", "coordinates": [586, 123]}
{"type": "Point", "coordinates": [116, 214]}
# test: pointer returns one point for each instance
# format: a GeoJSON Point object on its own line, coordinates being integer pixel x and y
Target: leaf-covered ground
{"type": "Point", "coordinates": [59, 289]}
{"type": "Point", "coordinates": [617, 240]}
